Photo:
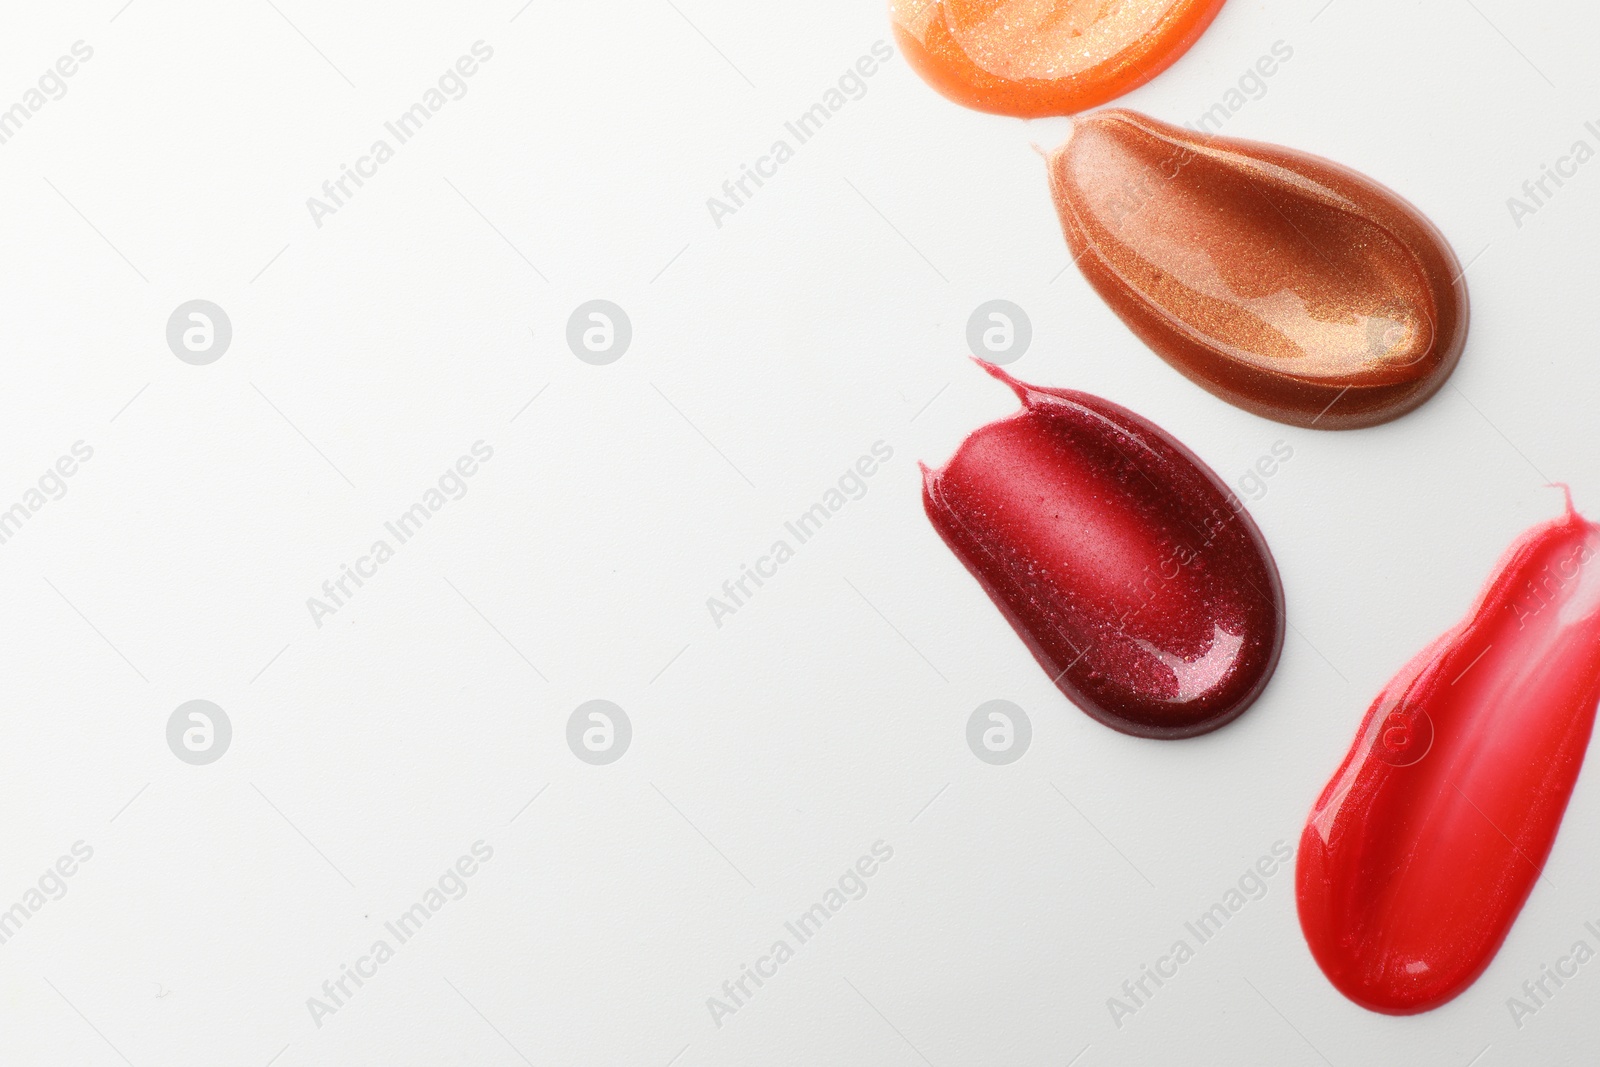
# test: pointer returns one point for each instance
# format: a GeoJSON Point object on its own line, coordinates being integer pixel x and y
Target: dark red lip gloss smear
{"type": "Point", "coordinates": [1131, 572]}
{"type": "Point", "coordinates": [1431, 834]}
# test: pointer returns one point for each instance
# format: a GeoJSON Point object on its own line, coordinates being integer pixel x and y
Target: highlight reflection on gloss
{"type": "Point", "coordinates": [1134, 576]}
{"type": "Point", "coordinates": [1288, 285]}
{"type": "Point", "coordinates": [1044, 57]}
{"type": "Point", "coordinates": [1429, 838]}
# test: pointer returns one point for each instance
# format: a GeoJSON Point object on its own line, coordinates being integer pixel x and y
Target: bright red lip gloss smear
{"type": "Point", "coordinates": [1131, 572]}
{"type": "Point", "coordinates": [1424, 846]}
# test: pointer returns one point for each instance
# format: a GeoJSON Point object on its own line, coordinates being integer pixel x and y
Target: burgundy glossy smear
{"type": "Point", "coordinates": [1126, 566]}
{"type": "Point", "coordinates": [1288, 285]}
{"type": "Point", "coordinates": [1430, 836]}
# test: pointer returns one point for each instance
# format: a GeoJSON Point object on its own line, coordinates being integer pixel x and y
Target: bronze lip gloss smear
{"type": "Point", "coordinates": [1283, 283]}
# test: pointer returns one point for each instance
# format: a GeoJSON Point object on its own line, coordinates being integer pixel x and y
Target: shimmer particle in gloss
{"type": "Point", "coordinates": [1287, 285]}
{"type": "Point", "coordinates": [1130, 571]}
{"type": "Point", "coordinates": [1430, 836]}
{"type": "Point", "coordinates": [1044, 57]}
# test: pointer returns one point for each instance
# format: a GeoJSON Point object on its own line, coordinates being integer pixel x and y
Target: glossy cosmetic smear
{"type": "Point", "coordinates": [1044, 57]}
{"type": "Point", "coordinates": [1130, 571]}
{"type": "Point", "coordinates": [1283, 283]}
{"type": "Point", "coordinates": [1423, 847]}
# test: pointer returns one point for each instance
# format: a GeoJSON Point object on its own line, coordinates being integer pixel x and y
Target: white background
{"type": "Point", "coordinates": [769, 754]}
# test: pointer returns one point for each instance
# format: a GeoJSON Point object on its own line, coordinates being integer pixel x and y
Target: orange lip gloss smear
{"type": "Point", "coordinates": [1044, 57]}
{"type": "Point", "coordinates": [1285, 284]}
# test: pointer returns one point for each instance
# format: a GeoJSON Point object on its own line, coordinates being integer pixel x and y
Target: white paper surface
{"type": "Point", "coordinates": [828, 713]}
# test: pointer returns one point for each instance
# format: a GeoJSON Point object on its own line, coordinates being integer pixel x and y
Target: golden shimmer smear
{"type": "Point", "coordinates": [1044, 57]}
{"type": "Point", "coordinates": [1285, 284]}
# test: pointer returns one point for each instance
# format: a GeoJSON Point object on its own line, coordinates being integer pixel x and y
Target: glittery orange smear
{"type": "Point", "coordinates": [1283, 283]}
{"type": "Point", "coordinates": [1044, 57]}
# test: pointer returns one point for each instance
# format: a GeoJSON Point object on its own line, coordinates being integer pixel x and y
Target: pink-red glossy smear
{"type": "Point", "coordinates": [1430, 836]}
{"type": "Point", "coordinates": [1131, 572]}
